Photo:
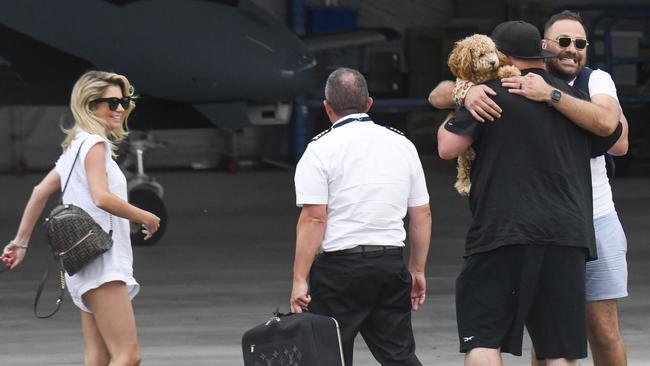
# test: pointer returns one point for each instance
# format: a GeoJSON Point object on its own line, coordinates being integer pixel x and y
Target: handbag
{"type": "Point", "coordinates": [74, 238]}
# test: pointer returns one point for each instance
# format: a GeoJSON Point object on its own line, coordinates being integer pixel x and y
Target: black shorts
{"type": "Point", "coordinates": [540, 287]}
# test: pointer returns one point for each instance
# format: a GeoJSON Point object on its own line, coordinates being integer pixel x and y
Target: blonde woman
{"type": "Point", "coordinates": [101, 103]}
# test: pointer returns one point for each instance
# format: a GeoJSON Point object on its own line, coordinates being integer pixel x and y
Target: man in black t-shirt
{"type": "Point", "coordinates": [531, 229]}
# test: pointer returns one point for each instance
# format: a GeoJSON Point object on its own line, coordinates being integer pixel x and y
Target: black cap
{"type": "Point", "coordinates": [519, 39]}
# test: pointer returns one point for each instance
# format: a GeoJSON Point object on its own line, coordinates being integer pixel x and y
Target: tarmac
{"type": "Point", "coordinates": [224, 265]}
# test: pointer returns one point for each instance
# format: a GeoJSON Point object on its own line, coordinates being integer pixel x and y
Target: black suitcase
{"type": "Point", "coordinates": [294, 340]}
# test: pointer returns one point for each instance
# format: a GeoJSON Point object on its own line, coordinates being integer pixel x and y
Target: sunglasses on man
{"type": "Point", "coordinates": [114, 102]}
{"type": "Point", "coordinates": [565, 42]}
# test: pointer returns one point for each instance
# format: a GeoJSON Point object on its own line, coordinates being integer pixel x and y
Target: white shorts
{"type": "Point", "coordinates": [606, 277]}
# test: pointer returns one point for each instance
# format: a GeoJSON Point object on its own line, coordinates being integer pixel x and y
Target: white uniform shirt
{"type": "Point", "coordinates": [600, 82]}
{"type": "Point", "coordinates": [368, 176]}
{"type": "Point", "coordinates": [117, 263]}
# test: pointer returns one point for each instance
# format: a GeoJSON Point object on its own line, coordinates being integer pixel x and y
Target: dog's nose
{"type": "Point", "coordinates": [493, 62]}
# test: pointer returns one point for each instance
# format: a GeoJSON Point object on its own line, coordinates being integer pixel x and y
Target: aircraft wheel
{"type": "Point", "coordinates": [148, 200]}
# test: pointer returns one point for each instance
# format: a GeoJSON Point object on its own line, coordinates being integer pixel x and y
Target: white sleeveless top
{"type": "Point", "coordinates": [117, 263]}
{"type": "Point", "coordinates": [601, 82]}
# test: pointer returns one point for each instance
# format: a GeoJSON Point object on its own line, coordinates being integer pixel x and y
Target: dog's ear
{"type": "Point", "coordinates": [460, 60]}
{"type": "Point", "coordinates": [503, 59]}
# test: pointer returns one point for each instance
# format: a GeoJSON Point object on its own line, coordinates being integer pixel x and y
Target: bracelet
{"type": "Point", "coordinates": [18, 245]}
{"type": "Point", "coordinates": [460, 91]}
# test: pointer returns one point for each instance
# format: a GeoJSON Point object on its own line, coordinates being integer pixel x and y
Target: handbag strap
{"type": "Point", "coordinates": [76, 157]}
{"type": "Point", "coordinates": [42, 285]}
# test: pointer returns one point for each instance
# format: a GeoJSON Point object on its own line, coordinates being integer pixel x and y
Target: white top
{"type": "Point", "coordinates": [368, 176]}
{"type": "Point", "coordinates": [117, 263]}
{"type": "Point", "coordinates": [600, 82]}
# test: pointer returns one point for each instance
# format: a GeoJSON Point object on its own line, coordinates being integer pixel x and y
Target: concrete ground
{"type": "Point", "coordinates": [225, 261]}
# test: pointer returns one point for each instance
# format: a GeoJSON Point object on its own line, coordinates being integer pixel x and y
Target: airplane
{"type": "Point", "coordinates": [194, 63]}
{"type": "Point", "coordinates": [225, 62]}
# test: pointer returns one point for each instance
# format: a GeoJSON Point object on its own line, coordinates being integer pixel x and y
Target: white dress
{"type": "Point", "coordinates": [117, 263]}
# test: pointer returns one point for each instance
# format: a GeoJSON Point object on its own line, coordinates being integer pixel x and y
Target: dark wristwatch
{"type": "Point", "coordinates": [556, 95]}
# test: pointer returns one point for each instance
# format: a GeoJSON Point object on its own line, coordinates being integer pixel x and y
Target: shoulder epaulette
{"type": "Point", "coordinates": [321, 134]}
{"type": "Point", "coordinates": [395, 130]}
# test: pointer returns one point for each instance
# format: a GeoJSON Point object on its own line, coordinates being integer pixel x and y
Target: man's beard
{"type": "Point", "coordinates": [555, 70]}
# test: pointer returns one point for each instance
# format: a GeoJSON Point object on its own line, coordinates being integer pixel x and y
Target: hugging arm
{"type": "Point", "coordinates": [477, 100]}
{"type": "Point", "coordinates": [622, 144]}
{"type": "Point", "coordinates": [451, 144]}
{"type": "Point", "coordinates": [600, 116]}
{"type": "Point", "coordinates": [442, 96]}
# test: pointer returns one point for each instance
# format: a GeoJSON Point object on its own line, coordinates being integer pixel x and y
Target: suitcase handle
{"type": "Point", "coordinates": [277, 317]}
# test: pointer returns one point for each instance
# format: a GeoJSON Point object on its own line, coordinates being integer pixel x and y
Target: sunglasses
{"type": "Point", "coordinates": [565, 42]}
{"type": "Point", "coordinates": [114, 102]}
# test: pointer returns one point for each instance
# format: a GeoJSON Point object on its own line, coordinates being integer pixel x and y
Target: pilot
{"type": "Point", "coordinates": [355, 183]}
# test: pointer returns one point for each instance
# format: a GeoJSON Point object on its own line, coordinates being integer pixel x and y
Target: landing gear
{"type": "Point", "coordinates": [144, 192]}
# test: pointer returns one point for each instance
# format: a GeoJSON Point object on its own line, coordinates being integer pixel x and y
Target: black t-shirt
{"type": "Point", "coordinates": [531, 180]}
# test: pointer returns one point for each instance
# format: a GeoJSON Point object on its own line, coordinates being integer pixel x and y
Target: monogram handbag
{"type": "Point", "coordinates": [74, 238]}
{"type": "Point", "coordinates": [293, 340]}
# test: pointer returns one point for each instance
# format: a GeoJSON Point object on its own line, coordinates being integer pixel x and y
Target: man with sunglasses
{"type": "Point", "coordinates": [606, 278]}
{"type": "Point", "coordinates": [565, 42]}
{"type": "Point", "coordinates": [531, 230]}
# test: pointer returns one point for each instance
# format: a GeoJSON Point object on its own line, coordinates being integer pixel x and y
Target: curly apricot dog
{"type": "Point", "coordinates": [475, 59]}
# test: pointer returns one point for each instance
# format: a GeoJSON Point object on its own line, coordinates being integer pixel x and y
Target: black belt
{"type": "Point", "coordinates": [364, 249]}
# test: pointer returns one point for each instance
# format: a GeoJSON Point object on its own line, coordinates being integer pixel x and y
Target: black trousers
{"type": "Point", "coordinates": [368, 293]}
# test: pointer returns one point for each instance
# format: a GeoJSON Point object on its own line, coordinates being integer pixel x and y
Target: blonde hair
{"type": "Point", "coordinates": [90, 86]}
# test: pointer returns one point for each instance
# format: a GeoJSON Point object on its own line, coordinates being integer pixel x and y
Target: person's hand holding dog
{"type": "Point", "coordinates": [480, 105]}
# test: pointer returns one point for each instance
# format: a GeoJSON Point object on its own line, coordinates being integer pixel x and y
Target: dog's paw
{"type": "Point", "coordinates": [469, 155]}
{"type": "Point", "coordinates": [508, 71]}
{"type": "Point", "coordinates": [463, 188]}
